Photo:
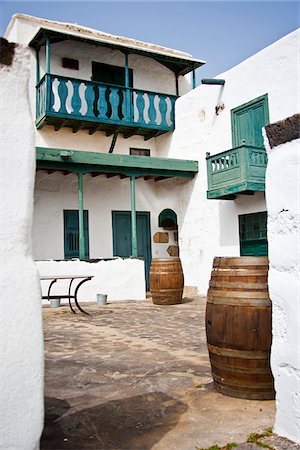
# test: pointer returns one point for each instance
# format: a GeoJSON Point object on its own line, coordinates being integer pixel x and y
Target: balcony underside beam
{"type": "Point", "coordinates": [76, 125]}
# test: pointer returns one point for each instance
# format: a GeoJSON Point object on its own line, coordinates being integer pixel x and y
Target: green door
{"type": "Point", "coordinates": [71, 233]}
{"type": "Point", "coordinates": [121, 224]}
{"type": "Point", "coordinates": [253, 234]}
{"type": "Point", "coordinates": [248, 121]}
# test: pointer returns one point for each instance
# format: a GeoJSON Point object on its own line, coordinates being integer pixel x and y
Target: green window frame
{"type": "Point", "coordinates": [253, 234]}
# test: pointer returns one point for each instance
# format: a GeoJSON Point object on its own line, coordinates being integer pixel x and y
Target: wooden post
{"type": "Point", "coordinates": [37, 65]}
{"type": "Point", "coordinates": [194, 78]}
{"type": "Point", "coordinates": [177, 85]}
{"type": "Point", "coordinates": [127, 92]}
{"type": "Point", "coordinates": [133, 218]}
{"type": "Point", "coordinates": [48, 55]}
{"type": "Point", "coordinates": [80, 217]}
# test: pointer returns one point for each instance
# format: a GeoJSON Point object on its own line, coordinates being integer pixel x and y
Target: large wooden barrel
{"type": "Point", "coordinates": [166, 281]}
{"type": "Point", "coordinates": [238, 327]}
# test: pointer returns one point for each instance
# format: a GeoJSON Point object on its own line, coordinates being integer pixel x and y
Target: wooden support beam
{"type": "Point", "coordinates": [133, 218]}
{"type": "Point", "coordinates": [77, 128]}
{"type": "Point", "coordinates": [80, 214]}
{"type": "Point", "coordinates": [51, 171]}
{"type": "Point", "coordinates": [161, 178]}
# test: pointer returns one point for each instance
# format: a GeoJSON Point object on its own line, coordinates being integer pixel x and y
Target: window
{"type": "Point", "coordinates": [140, 151]}
{"type": "Point", "coordinates": [112, 75]}
{"type": "Point", "coordinates": [248, 120]}
{"type": "Point", "coordinates": [105, 73]}
{"type": "Point", "coordinates": [253, 234]}
{"type": "Point", "coordinates": [71, 233]}
{"type": "Point", "coordinates": [69, 63]}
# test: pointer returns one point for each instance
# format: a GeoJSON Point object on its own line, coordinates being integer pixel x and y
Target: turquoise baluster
{"type": "Point", "coordinates": [62, 93]}
{"type": "Point", "coordinates": [151, 109]}
{"type": "Point", "coordinates": [163, 110]}
{"type": "Point", "coordinates": [76, 100]}
{"type": "Point", "coordinates": [114, 102]}
{"type": "Point", "coordinates": [172, 114]}
{"type": "Point", "coordinates": [102, 103]}
{"type": "Point", "coordinates": [90, 97]}
{"type": "Point", "coordinates": [140, 103]}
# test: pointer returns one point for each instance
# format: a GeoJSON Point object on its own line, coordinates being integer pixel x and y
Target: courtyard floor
{"type": "Point", "coordinates": [137, 376]}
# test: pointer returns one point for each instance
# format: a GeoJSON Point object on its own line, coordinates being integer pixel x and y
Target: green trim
{"type": "Point", "coordinates": [229, 192]}
{"type": "Point", "coordinates": [217, 81]}
{"type": "Point", "coordinates": [85, 162]}
{"type": "Point", "coordinates": [134, 251]}
{"type": "Point", "coordinates": [80, 217]}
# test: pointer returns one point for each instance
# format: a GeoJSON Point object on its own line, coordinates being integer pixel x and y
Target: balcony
{"type": "Point", "coordinates": [94, 106]}
{"type": "Point", "coordinates": [240, 170]}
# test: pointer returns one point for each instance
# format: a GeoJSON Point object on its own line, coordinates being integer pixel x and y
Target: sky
{"type": "Point", "coordinates": [223, 33]}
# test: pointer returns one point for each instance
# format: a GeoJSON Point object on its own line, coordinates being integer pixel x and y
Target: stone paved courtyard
{"type": "Point", "coordinates": [137, 376]}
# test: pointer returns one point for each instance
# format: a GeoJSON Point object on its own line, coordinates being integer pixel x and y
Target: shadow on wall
{"type": "Point", "coordinates": [137, 422]}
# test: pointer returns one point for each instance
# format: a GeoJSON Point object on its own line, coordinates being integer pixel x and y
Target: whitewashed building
{"type": "Point", "coordinates": [119, 167]}
{"type": "Point", "coordinates": [104, 110]}
{"type": "Point", "coordinates": [124, 171]}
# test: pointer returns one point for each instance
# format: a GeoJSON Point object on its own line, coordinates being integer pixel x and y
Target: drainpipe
{"type": "Point", "coordinates": [133, 218]}
{"type": "Point", "coordinates": [80, 214]}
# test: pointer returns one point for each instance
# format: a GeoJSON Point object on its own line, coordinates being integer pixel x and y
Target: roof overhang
{"type": "Point", "coordinates": [177, 64]}
{"type": "Point", "coordinates": [96, 163]}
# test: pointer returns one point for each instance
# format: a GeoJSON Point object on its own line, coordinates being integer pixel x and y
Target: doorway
{"type": "Point", "coordinates": [121, 225]}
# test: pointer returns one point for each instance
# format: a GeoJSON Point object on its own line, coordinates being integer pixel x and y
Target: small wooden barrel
{"type": "Point", "coordinates": [238, 327]}
{"type": "Point", "coordinates": [166, 281]}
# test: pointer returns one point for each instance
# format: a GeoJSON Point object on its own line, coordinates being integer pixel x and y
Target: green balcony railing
{"type": "Point", "coordinates": [63, 101]}
{"type": "Point", "coordinates": [240, 170]}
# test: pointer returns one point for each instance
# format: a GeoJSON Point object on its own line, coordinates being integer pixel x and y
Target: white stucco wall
{"type": "Point", "coordinates": [283, 202]}
{"type": "Point", "coordinates": [209, 228]}
{"type": "Point", "coordinates": [21, 366]}
{"type": "Point", "coordinates": [56, 192]}
{"type": "Point", "coordinates": [119, 279]}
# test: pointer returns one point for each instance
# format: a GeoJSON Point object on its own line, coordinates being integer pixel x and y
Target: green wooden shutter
{"type": "Point", "coordinates": [248, 121]}
{"type": "Point", "coordinates": [71, 233]}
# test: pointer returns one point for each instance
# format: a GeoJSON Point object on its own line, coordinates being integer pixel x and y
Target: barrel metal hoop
{"type": "Point", "coordinates": [242, 384]}
{"type": "Point", "coordinates": [240, 370]}
{"type": "Point", "coordinates": [232, 353]}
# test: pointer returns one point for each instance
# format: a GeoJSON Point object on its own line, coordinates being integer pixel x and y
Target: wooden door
{"type": "Point", "coordinates": [121, 225]}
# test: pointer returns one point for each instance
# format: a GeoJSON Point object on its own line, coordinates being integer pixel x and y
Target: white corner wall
{"type": "Point", "coordinates": [283, 202]}
{"type": "Point", "coordinates": [21, 366]}
{"type": "Point", "coordinates": [209, 228]}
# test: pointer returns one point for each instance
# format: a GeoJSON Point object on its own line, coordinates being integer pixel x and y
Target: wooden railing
{"type": "Point", "coordinates": [232, 171]}
{"type": "Point", "coordinates": [70, 98]}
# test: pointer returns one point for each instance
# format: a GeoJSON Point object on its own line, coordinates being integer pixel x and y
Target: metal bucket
{"type": "Point", "coordinates": [54, 302]}
{"type": "Point", "coordinates": [101, 299]}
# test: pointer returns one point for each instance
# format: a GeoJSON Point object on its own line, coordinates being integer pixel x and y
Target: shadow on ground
{"type": "Point", "coordinates": [131, 423]}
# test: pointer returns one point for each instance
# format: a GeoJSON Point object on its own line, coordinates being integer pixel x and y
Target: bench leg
{"type": "Point", "coordinates": [75, 296]}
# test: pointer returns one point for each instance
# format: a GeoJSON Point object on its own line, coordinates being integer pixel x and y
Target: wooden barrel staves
{"type": "Point", "coordinates": [166, 281]}
{"type": "Point", "coordinates": [238, 327]}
